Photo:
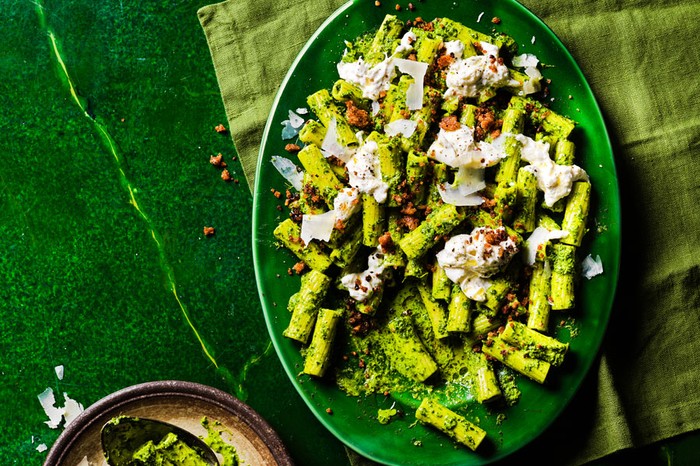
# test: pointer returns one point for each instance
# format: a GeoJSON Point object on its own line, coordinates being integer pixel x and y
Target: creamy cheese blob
{"type": "Point", "coordinates": [554, 180]}
{"type": "Point", "coordinates": [365, 173]}
{"type": "Point", "coordinates": [469, 260]}
{"type": "Point", "coordinates": [458, 149]}
{"type": "Point", "coordinates": [454, 48]}
{"type": "Point", "coordinates": [467, 77]}
{"type": "Point", "coordinates": [363, 285]}
{"type": "Point", "coordinates": [371, 79]}
{"type": "Point", "coordinates": [406, 44]}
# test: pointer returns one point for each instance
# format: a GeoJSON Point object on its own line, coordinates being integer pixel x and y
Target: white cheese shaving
{"type": "Point", "coordinates": [532, 40]}
{"type": "Point", "coordinates": [41, 448]}
{"type": "Point", "coordinates": [526, 60]}
{"type": "Point", "coordinates": [289, 171]}
{"type": "Point", "coordinates": [591, 267]}
{"type": "Point", "coordinates": [292, 125]}
{"type": "Point", "coordinates": [48, 402]}
{"type": "Point", "coordinates": [318, 226]}
{"type": "Point", "coordinates": [70, 410]}
{"type": "Point", "coordinates": [478, 19]}
{"type": "Point", "coordinates": [302, 111]}
{"type": "Point", "coordinates": [417, 70]}
{"type": "Point", "coordinates": [330, 145]}
{"type": "Point", "coordinates": [376, 107]}
{"type": "Point", "coordinates": [403, 127]}
{"type": "Point", "coordinates": [537, 238]}
{"type": "Point", "coordinates": [296, 121]}
{"type": "Point", "coordinates": [463, 191]}
{"type": "Point", "coordinates": [364, 172]}
{"type": "Point", "coordinates": [59, 371]}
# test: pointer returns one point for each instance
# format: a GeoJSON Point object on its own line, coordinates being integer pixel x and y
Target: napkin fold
{"type": "Point", "coordinates": [640, 61]}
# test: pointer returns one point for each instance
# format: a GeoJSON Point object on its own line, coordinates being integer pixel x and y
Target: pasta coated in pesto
{"type": "Point", "coordinates": [452, 262]}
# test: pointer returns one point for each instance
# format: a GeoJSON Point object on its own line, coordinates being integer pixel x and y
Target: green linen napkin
{"type": "Point", "coordinates": [641, 61]}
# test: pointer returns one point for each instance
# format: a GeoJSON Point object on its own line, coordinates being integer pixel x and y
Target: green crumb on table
{"type": "Point", "coordinates": [384, 415]}
{"type": "Point", "coordinates": [417, 443]}
{"type": "Point", "coordinates": [500, 418]}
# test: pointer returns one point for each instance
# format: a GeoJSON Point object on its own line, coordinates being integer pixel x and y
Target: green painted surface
{"type": "Point", "coordinates": [101, 101]}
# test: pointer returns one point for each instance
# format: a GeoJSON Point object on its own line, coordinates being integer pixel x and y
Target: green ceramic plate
{"type": "Point", "coordinates": [354, 420]}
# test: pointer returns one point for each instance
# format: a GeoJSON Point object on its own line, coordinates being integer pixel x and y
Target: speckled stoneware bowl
{"type": "Point", "coordinates": [183, 404]}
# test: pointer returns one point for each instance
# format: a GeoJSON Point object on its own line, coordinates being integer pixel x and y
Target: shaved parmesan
{"type": "Point", "coordinates": [406, 44]}
{"type": "Point", "coordinates": [537, 238]}
{"type": "Point", "coordinates": [289, 171]}
{"type": "Point", "coordinates": [478, 19]}
{"type": "Point", "coordinates": [302, 111]}
{"type": "Point", "coordinates": [59, 372]}
{"type": "Point", "coordinates": [70, 410]}
{"type": "Point", "coordinates": [296, 121]}
{"type": "Point", "coordinates": [41, 448]}
{"type": "Point", "coordinates": [405, 128]}
{"type": "Point", "coordinates": [591, 267]}
{"type": "Point", "coordinates": [330, 145]}
{"type": "Point", "coordinates": [292, 125]}
{"type": "Point", "coordinates": [48, 401]}
{"type": "Point", "coordinates": [526, 60]}
{"type": "Point", "coordinates": [417, 70]}
{"type": "Point", "coordinates": [463, 192]}
{"type": "Point", "coordinates": [318, 226]}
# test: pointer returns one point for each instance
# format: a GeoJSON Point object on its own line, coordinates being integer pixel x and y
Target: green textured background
{"type": "Point", "coordinates": [89, 275]}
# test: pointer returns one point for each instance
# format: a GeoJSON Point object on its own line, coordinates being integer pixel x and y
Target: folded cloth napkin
{"type": "Point", "coordinates": [642, 66]}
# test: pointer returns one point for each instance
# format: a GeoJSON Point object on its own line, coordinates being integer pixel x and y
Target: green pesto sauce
{"type": "Point", "coordinates": [170, 451]}
{"type": "Point", "coordinates": [384, 415]}
{"type": "Point", "coordinates": [216, 442]}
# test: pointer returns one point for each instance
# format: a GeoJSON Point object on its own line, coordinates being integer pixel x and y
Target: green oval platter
{"type": "Point", "coordinates": [354, 420]}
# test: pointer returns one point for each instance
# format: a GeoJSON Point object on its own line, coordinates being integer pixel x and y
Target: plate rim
{"type": "Point", "coordinates": [613, 272]}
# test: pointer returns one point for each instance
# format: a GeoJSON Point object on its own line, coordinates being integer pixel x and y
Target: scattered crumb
{"type": "Point", "coordinates": [398, 7]}
{"type": "Point", "coordinates": [217, 160]}
{"type": "Point", "coordinates": [59, 371]}
{"type": "Point", "coordinates": [209, 231]}
{"type": "Point", "coordinates": [329, 410]}
{"type": "Point", "coordinates": [299, 267]}
{"type": "Point", "coordinates": [411, 7]}
{"type": "Point", "coordinates": [225, 175]}
{"type": "Point", "coordinates": [377, 3]}
{"type": "Point", "coordinates": [292, 148]}
{"type": "Point", "coordinates": [220, 128]}
{"type": "Point", "coordinates": [42, 448]}
{"type": "Point", "coordinates": [496, 20]}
